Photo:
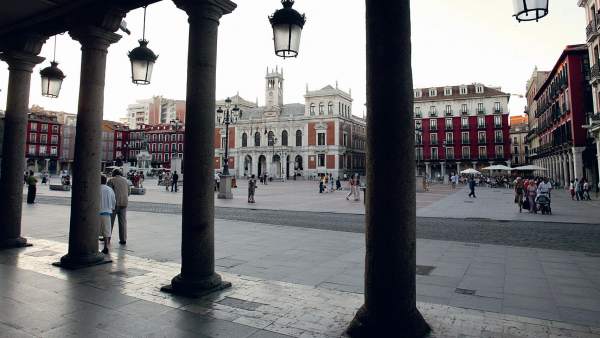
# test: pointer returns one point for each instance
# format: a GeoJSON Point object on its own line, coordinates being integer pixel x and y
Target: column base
{"type": "Point", "coordinates": [364, 325]}
{"type": "Point", "coordinates": [79, 262]}
{"type": "Point", "coordinates": [195, 289]}
{"type": "Point", "coordinates": [225, 188]}
{"type": "Point", "coordinates": [12, 243]}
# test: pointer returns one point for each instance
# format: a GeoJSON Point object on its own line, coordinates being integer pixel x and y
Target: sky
{"type": "Point", "coordinates": [454, 42]}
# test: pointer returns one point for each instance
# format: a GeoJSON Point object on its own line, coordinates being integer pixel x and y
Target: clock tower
{"type": "Point", "coordinates": [273, 92]}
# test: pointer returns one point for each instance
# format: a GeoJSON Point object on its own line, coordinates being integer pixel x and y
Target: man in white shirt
{"type": "Point", "coordinates": [108, 201]}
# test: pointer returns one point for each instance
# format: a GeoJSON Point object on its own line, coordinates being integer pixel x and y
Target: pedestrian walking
{"type": "Point", "coordinates": [531, 191]}
{"type": "Point", "coordinates": [519, 191]}
{"type": "Point", "coordinates": [31, 187]}
{"type": "Point", "coordinates": [586, 190]}
{"type": "Point", "coordinates": [107, 205]}
{"type": "Point", "coordinates": [120, 188]}
{"type": "Point", "coordinates": [321, 185]}
{"type": "Point", "coordinates": [472, 187]}
{"type": "Point", "coordinates": [251, 189]}
{"type": "Point", "coordinates": [572, 190]}
{"type": "Point", "coordinates": [331, 183]}
{"type": "Point", "coordinates": [351, 184]}
{"type": "Point", "coordinates": [265, 178]}
{"type": "Point", "coordinates": [578, 189]}
{"type": "Point", "coordinates": [174, 180]}
{"type": "Point", "coordinates": [454, 180]}
{"type": "Point", "coordinates": [357, 187]}
{"type": "Point", "coordinates": [338, 184]}
{"type": "Point", "coordinates": [217, 182]}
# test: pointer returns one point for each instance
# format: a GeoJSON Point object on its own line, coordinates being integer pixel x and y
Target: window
{"type": "Point", "coordinates": [321, 139]}
{"type": "Point", "coordinates": [244, 140]}
{"type": "Point", "coordinates": [31, 150]}
{"type": "Point", "coordinates": [464, 122]}
{"type": "Point", "coordinates": [54, 139]}
{"type": "Point", "coordinates": [180, 148]}
{"type": "Point", "coordinates": [55, 129]}
{"type": "Point", "coordinates": [173, 137]}
{"type": "Point", "coordinates": [321, 108]}
{"type": "Point", "coordinates": [481, 122]}
{"type": "Point", "coordinates": [312, 109]}
{"type": "Point", "coordinates": [166, 157]}
{"type": "Point", "coordinates": [270, 139]}
{"type": "Point", "coordinates": [42, 150]}
{"type": "Point", "coordinates": [418, 111]}
{"type": "Point", "coordinates": [463, 91]}
{"type": "Point", "coordinates": [447, 91]}
{"type": "Point", "coordinates": [498, 121]}
{"type": "Point", "coordinates": [432, 111]}
{"type": "Point", "coordinates": [432, 92]}
{"type": "Point", "coordinates": [44, 127]}
{"type": "Point", "coordinates": [180, 138]}
{"type": "Point", "coordinates": [298, 138]}
{"type": "Point", "coordinates": [418, 125]}
{"type": "Point", "coordinates": [119, 144]}
{"type": "Point", "coordinates": [481, 137]}
{"type": "Point", "coordinates": [33, 126]}
{"type": "Point", "coordinates": [330, 108]}
{"type": "Point", "coordinates": [44, 138]}
{"type": "Point", "coordinates": [448, 110]}
{"type": "Point", "coordinates": [479, 89]}
{"type": "Point", "coordinates": [53, 150]}
{"type": "Point", "coordinates": [433, 124]}
{"type": "Point", "coordinates": [480, 107]}
{"type": "Point", "coordinates": [166, 147]}
{"type": "Point", "coordinates": [257, 139]}
{"type": "Point", "coordinates": [345, 139]}
{"type": "Point", "coordinates": [32, 137]}
{"type": "Point", "coordinates": [449, 138]}
{"type": "Point", "coordinates": [499, 151]}
{"type": "Point", "coordinates": [497, 107]}
{"type": "Point", "coordinates": [321, 160]}
{"type": "Point", "coordinates": [482, 153]}
{"type": "Point", "coordinates": [516, 150]}
{"type": "Point", "coordinates": [419, 139]}
{"type": "Point", "coordinates": [419, 154]}
{"type": "Point", "coordinates": [498, 136]}
{"type": "Point", "coordinates": [418, 93]}
{"type": "Point", "coordinates": [466, 153]}
{"type": "Point", "coordinates": [464, 109]}
{"type": "Point", "coordinates": [160, 147]}
{"type": "Point", "coordinates": [465, 137]}
{"type": "Point", "coordinates": [434, 153]}
{"type": "Point", "coordinates": [284, 137]}
{"type": "Point", "coordinates": [433, 139]}
{"type": "Point", "coordinates": [448, 124]}
{"type": "Point", "coordinates": [449, 153]}
{"type": "Point", "coordinates": [173, 146]}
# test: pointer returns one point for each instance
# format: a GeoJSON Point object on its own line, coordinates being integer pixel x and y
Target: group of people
{"type": "Point", "coordinates": [580, 190]}
{"type": "Point", "coordinates": [354, 184]}
{"type": "Point", "coordinates": [136, 178]}
{"type": "Point", "coordinates": [114, 198]}
{"type": "Point", "coordinates": [168, 180]}
{"type": "Point", "coordinates": [528, 193]}
{"type": "Point", "coordinates": [326, 184]}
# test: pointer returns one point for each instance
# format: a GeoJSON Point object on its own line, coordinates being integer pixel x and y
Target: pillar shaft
{"type": "Point", "coordinates": [20, 67]}
{"type": "Point", "coordinates": [390, 286]}
{"type": "Point", "coordinates": [198, 245]}
{"type": "Point", "coordinates": [578, 162]}
{"type": "Point", "coordinates": [85, 200]}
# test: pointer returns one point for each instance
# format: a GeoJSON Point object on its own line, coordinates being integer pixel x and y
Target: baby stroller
{"type": "Point", "coordinates": [543, 202]}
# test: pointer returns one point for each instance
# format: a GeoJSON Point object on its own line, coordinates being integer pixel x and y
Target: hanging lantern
{"type": "Point", "coordinates": [529, 10]}
{"type": "Point", "coordinates": [52, 77]}
{"type": "Point", "coordinates": [287, 26]}
{"type": "Point", "coordinates": [142, 60]}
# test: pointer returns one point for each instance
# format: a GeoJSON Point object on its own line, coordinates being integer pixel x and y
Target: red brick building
{"type": "Point", "coordinates": [43, 142]}
{"type": "Point", "coordinates": [460, 127]}
{"type": "Point", "coordinates": [163, 142]}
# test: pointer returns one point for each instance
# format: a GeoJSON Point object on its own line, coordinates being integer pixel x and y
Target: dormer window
{"type": "Point", "coordinates": [447, 91]}
{"type": "Point", "coordinates": [479, 89]}
{"type": "Point", "coordinates": [432, 92]}
{"type": "Point", "coordinates": [463, 90]}
{"type": "Point", "coordinates": [417, 93]}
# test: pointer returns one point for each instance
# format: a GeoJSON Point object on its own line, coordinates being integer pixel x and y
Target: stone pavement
{"type": "Point", "coordinates": [538, 283]}
{"type": "Point", "coordinates": [498, 204]}
{"type": "Point", "coordinates": [123, 300]}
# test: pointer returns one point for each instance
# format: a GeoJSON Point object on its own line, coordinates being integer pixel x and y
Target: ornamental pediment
{"type": "Point", "coordinates": [321, 126]}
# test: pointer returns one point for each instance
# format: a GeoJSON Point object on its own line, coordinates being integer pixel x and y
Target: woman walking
{"type": "Point", "coordinates": [531, 194]}
{"type": "Point", "coordinates": [519, 190]}
{"type": "Point", "coordinates": [31, 187]}
{"type": "Point", "coordinates": [251, 189]}
{"type": "Point", "coordinates": [351, 184]}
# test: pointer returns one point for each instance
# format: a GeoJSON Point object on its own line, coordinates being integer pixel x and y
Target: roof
{"type": "Point", "coordinates": [328, 91]}
{"type": "Point", "coordinates": [487, 92]}
{"type": "Point", "coordinates": [570, 49]}
{"type": "Point", "coordinates": [42, 118]}
{"type": "Point", "coordinates": [291, 110]}
{"type": "Point", "coordinates": [518, 119]}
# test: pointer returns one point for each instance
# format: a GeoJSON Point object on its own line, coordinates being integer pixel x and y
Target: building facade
{"type": "Point", "coordinates": [519, 128]}
{"type": "Point", "coordinates": [562, 104]}
{"type": "Point", "coordinates": [43, 142]}
{"type": "Point", "coordinates": [592, 15]}
{"type": "Point", "coordinates": [154, 111]}
{"type": "Point", "coordinates": [460, 127]}
{"type": "Point", "coordinates": [536, 80]}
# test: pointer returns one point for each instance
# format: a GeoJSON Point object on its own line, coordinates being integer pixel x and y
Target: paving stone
{"type": "Point", "coordinates": [476, 302]}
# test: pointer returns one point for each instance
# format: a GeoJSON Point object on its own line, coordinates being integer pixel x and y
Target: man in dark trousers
{"type": "Point", "coordinates": [174, 178]}
{"type": "Point", "coordinates": [472, 187]}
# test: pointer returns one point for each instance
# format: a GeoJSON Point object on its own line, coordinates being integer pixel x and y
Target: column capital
{"type": "Point", "coordinates": [93, 37]}
{"type": "Point", "coordinates": [21, 61]}
{"type": "Point", "coordinates": [209, 9]}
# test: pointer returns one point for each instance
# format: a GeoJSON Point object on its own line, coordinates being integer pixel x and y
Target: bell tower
{"type": "Point", "coordinates": [273, 92]}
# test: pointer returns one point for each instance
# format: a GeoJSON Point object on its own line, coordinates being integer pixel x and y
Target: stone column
{"type": "Point", "coordinates": [578, 162]}
{"type": "Point", "coordinates": [444, 177]}
{"type": "Point", "coordinates": [565, 164]}
{"type": "Point", "coordinates": [427, 170]}
{"type": "Point", "coordinates": [457, 168]}
{"type": "Point", "coordinates": [198, 275]}
{"type": "Point", "coordinates": [20, 66]}
{"type": "Point", "coordinates": [474, 165]}
{"type": "Point", "coordinates": [571, 166]}
{"type": "Point", "coordinates": [598, 155]}
{"type": "Point", "coordinates": [85, 200]}
{"type": "Point", "coordinates": [390, 287]}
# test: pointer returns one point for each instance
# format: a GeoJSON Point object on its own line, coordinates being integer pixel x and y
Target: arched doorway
{"type": "Point", "coordinates": [248, 166]}
{"type": "Point", "coordinates": [276, 166]}
{"type": "Point", "coordinates": [262, 165]}
{"type": "Point", "coordinates": [298, 166]}
{"type": "Point", "coordinates": [287, 167]}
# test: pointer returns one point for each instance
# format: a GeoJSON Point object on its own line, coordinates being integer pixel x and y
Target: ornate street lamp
{"type": "Point", "coordinates": [142, 60]}
{"type": "Point", "coordinates": [287, 26]}
{"type": "Point", "coordinates": [227, 117]}
{"type": "Point", "coordinates": [529, 10]}
{"type": "Point", "coordinates": [52, 77]}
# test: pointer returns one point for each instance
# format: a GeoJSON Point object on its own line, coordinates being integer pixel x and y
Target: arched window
{"type": "Point", "coordinates": [257, 139]}
{"type": "Point", "coordinates": [298, 138]}
{"type": "Point", "coordinates": [321, 108]}
{"type": "Point", "coordinates": [244, 140]}
{"type": "Point", "coordinates": [284, 138]}
{"type": "Point", "coordinates": [270, 139]}
{"type": "Point", "coordinates": [330, 108]}
{"type": "Point", "coordinates": [312, 109]}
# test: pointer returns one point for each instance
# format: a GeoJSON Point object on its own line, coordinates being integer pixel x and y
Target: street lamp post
{"type": "Point", "coordinates": [227, 117]}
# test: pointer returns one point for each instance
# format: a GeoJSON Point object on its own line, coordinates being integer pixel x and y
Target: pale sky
{"type": "Point", "coordinates": [454, 42]}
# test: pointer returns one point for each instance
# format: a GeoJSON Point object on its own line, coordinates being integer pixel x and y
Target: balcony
{"type": "Point", "coordinates": [418, 115]}
{"type": "Point", "coordinates": [448, 113]}
{"type": "Point", "coordinates": [465, 127]}
{"type": "Point", "coordinates": [464, 112]}
{"type": "Point", "coordinates": [434, 142]}
{"type": "Point", "coordinates": [498, 110]}
{"type": "Point", "coordinates": [433, 128]}
{"type": "Point", "coordinates": [595, 73]}
{"type": "Point", "coordinates": [480, 111]}
{"type": "Point", "coordinates": [481, 126]}
{"type": "Point", "coordinates": [432, 114]}
{"type": "Point", "coordinates": [591, 30]}
{"type": "Point", "coordinates": [449, 142]}
{"type": "Point", "coordinates": [499, 141]}
{"type": "Point", "coordinates": [498, 126]}
{"type": "Point", "coordinates": [449, 127]}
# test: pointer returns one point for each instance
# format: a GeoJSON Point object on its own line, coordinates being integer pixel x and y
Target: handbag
{"type": "Point", "coordinates": [526, 204]}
